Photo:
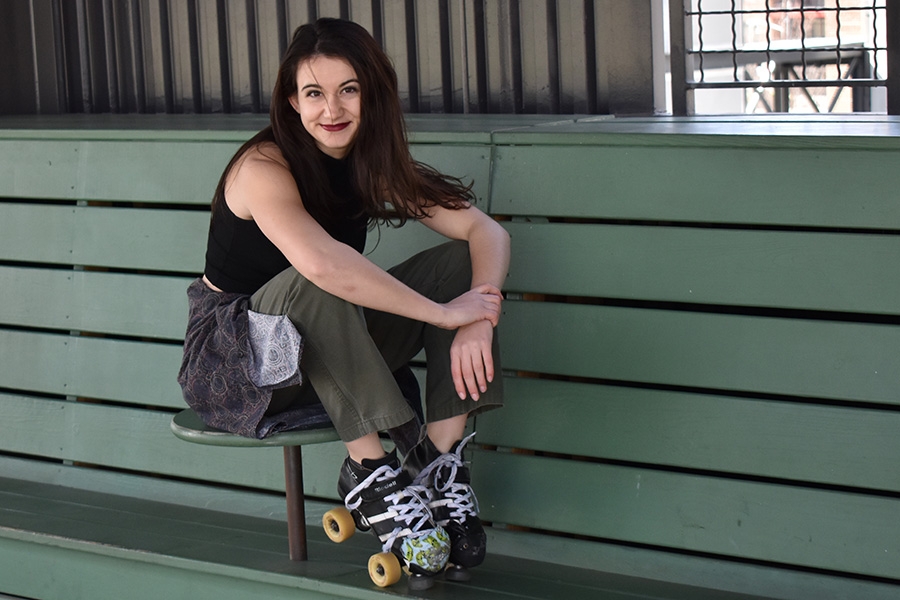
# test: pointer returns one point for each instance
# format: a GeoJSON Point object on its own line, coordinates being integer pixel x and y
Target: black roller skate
{"type": "Point", "coordinates": [453, 503]}
{"type": "Point", "coordinates": [378, 495]}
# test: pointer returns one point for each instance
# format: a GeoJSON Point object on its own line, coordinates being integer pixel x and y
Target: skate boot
{"type": "Point", "coordinates": [453, 504]}
{"type": "Point", "coordinates": [380, 496]}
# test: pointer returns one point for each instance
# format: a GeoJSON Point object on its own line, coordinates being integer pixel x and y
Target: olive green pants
{"type": "Point", "coordinates": [349, 355]}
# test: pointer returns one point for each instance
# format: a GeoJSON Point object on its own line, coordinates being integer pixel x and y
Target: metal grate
{"type": "Point", "coordinates": [767, 48]}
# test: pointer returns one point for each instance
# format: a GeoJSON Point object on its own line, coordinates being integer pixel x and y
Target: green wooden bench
{"type": "Point", "coordinates": [700, 348]}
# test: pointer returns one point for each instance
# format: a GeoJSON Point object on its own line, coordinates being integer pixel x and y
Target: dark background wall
{"type": "Point", "coordinates": [220, 56]}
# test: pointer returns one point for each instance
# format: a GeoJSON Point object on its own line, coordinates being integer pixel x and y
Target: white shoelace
{"type": "Point", "coordinates": [408, 507]}
{"type": "Point", "coordinates": [459, 497]}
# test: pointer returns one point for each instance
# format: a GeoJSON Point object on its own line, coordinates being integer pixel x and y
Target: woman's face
{"type": "Point", "coordinates": [328, 102]}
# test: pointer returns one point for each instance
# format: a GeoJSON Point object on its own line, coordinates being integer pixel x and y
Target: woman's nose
{"type": "Point", "coordinates": [333, 108]}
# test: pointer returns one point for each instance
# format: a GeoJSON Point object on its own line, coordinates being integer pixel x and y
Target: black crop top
{"type": "Point", "coordinates": [241, 259]}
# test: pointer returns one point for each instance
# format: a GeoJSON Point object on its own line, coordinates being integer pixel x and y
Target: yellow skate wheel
{"type": "Point", "coordinates": [339, 525]}
{"type": "Point", "coordinates": [384, 569]}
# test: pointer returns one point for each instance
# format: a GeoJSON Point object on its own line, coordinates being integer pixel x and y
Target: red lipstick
{"type": "Point", "coordinates": [336, 127]}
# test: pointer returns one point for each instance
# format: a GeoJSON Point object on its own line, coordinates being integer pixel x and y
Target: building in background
{"type": "Point", "coordinates": [460, 56]}
{"type": "Point", "coordinates": [752, 56]}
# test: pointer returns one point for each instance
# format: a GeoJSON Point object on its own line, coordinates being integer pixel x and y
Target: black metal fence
{"type": "Point", "coordinates": [771, 48]}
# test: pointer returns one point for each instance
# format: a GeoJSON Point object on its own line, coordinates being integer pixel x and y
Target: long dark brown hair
{"type": "Point", "coordinates": [391, 184]}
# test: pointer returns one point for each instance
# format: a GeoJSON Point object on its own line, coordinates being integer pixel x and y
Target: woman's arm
{"type": "Point", "coordinates": [471, 360]}
{"type": "Point", "coordinates": [261, 187]}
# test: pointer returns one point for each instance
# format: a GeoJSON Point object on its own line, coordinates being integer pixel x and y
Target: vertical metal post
{"type": "Point", "coordinates": [296, 512]}
{"type": "Point", "coordinates": [47, 44]}
{"type": "Point", "coordinates": [682, 98]}
{"type": "Point", "coordinates": [893, 50]}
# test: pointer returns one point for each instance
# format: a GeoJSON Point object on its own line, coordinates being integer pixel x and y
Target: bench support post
{"type": "Point", "coordinates": [296, 513]}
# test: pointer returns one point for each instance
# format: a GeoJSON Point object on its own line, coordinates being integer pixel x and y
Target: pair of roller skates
{"type": "Point", "coordinates": [424, 514]}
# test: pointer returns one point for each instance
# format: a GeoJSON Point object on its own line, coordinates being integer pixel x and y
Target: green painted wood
{"type": "Point", "coordinates": [152, 535]}
{"type": "Point", "coordinates": [141, 373]}
{"type": "Point", "coordinates": [182, 172]}
{"type": "Point", "coordinates": [628, 568]}
{"type": "Point", "coordinates": [102, 302]}
{"type": "Point", "coordinates": [623, 564]}
{"type": "Point", "coordinates": [114, 572]}
{"type": "Point", "coordinates": [129, 127]}
{"type": "Point", "coordinates": [141, 440]}
{"type": "Point", "coordinates": [472, 128]}
{"type": "Point", "coordinates": [481, 128]}
{"type": "Point", "coordinates": [187, 426]}
{"type": "Point", "coordinates": [708, 185]}
{"type": "Point", "coordinates": [387, 247]}
{"type": "Point", "coordinates": [814, 528]}
{"type": "Point", "coordinates": [163, 171]}
{"type": "Point", "coordinates": [128, 304]}
{"type": "Point", "coordinates": [794, 441]}
{"type": "Point", "coordinates": [141, 238]}
{"type": "Point", "coordinates": [128, 238]}
{"type": "Point", "coordinates": [26, 229]}
{"type": "Point", "coordinates": [772, 269]}
{"type": "Point", "coordinates": [421, 128]}
{"type": "Point", "coordinates": [80, 574]}
{"type": "Point", "coordinates": [471, 163]}
{"type": "Point", "coordinates": [822, 359]}
{"type": "Point", "coordinates": [860, 132]}
{"type": "Point", "coordinates": [782, 269]}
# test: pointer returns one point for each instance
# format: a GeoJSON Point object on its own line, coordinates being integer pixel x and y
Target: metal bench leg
{"type": "Point", "coordinates": [296, 514]}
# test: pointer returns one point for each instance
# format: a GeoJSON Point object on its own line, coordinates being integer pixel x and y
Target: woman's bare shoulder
{"type": "Point", "coordinates": [263, 155]}
{"type": "Point", "coordinates": [261, 172]}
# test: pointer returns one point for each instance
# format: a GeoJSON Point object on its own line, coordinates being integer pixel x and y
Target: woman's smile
{"type": "Point", "coordinates": [336, 127]}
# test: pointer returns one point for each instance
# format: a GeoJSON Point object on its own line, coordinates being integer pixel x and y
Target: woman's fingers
{"type": "Point", "coordinates": [471, 361]}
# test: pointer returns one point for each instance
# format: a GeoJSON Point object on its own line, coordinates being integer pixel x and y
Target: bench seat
{"type": "Point", "coordinates": [146, 549]}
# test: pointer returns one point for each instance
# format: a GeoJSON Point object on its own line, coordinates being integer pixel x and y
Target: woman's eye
{"type": "Point", "coordinates": [313, 94]}
{"type": "Point", "coordinates": [350, 89]}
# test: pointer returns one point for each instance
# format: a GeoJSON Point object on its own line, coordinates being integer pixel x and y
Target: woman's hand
{"type": "Point", "coordinates": [471, 361]}
{"type": "Point", "coordinates": [481, 303]}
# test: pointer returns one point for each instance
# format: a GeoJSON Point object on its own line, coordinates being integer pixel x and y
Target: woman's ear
{"type": "Point", "coordinates": [295, 103]}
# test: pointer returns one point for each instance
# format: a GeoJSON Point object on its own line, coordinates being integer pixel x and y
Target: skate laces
{"type": "Point", "coordinates": [457, 497]}
{"type": "Point", "coordinates": [407, 508]}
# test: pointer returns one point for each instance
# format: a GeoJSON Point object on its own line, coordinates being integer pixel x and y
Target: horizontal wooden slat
{"type": "Point", "coordinates": [127, 238]}
{"type": "Point", "coordinates": [140, 440]}
{"type": "Point", "coordinates": [141, 373]}
{"type": "Point", "coordinates": [797, 270]}
{"type": "Point", "coordinates": [182, 172]}
{"type": "Point", "coordinates": [820, 529]}
{"type": "Point", "coordinates": [164, 240]}
{"type": "Point", "coordinates": [858, 131]}
{"type": "Point", "coordinates": [164, 171]}
{"type": "Point", "coordinates": [26, 229]}
{"type": "Point", "coordinates": [823, 359]}
{"type": "Point", "coordinates": [387, 247]}
{"type": "Point", "coordinates": [794, 441]}
{"type": "Point", "coordinates": [471, 163]}
{"type": "Point", "coordinates": [708, 185]}
{"type": "Point", "coordinates": [101, 302]}
{"type": "Point", "coordinates": [213, 556]}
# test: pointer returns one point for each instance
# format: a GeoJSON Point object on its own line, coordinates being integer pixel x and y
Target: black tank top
{"type": "Point", "coordinates": [241, 259]}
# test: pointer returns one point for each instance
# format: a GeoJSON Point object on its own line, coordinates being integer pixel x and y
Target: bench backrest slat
{"type": "Point", "coordinates": [693, 349]}
{"type": "Point", "coordinates": [832, 445]}
{"type": "Point", "coordinates": [803, 187]}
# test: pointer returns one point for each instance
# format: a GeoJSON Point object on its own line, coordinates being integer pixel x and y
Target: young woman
{"type": "Point", "coordinates": [290, 310]}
